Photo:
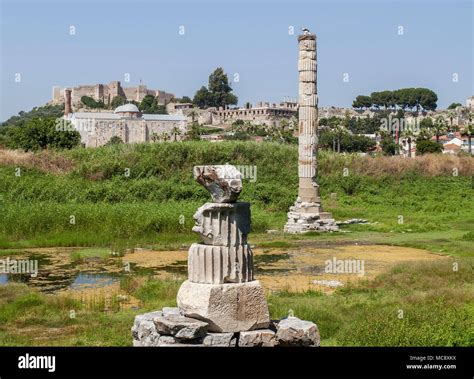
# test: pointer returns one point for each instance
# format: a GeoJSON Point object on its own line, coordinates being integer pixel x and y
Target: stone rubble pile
{"type": "Point", "coordinates": [352, 221]}
{"type": "Point", "coordinates": [177, 330]}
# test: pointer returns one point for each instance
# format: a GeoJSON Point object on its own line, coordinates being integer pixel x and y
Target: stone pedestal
{"type": "Point", "coordinates": [232, 307]}
{"type": "Point", "coordinates": [307, 213]}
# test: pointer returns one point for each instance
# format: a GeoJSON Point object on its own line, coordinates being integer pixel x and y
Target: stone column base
{"type": "Point", "coordinates": [308, 217]}
{"type": "Point", "coordinates": [229, 307]}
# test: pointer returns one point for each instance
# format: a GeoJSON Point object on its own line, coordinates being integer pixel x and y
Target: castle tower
{"type": "Point", "coordinates": [67, 102]}
{"type": "Point", "coordinates": [307, 214]}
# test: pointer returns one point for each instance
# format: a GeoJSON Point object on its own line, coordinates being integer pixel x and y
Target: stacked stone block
{"type": "Point", "coordinates": [221, 289]}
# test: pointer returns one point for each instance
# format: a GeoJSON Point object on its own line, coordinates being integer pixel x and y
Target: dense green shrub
{"type": "Point", "coordinates": [41, 133]}
{"type": "Point", "coordinates": [427, 146]}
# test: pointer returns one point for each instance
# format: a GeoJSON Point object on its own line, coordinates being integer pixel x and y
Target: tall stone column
{"type": "Point", "coordinates": [307, 213]}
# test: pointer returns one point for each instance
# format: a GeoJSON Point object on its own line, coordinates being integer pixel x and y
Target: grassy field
{"type": "Point", "coordinates": [125, 196]}
{"type": "Point", "coordinates": [436, 305]}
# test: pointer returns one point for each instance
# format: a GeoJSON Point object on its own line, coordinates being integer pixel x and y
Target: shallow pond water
{"type": "Point", "coordinates": [293, 268]}
{"type": "Point", "coordinates": [85, 280]}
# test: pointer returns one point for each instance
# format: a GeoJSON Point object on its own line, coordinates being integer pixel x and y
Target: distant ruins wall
{"type": "Point", "coordinates": [263, 113]}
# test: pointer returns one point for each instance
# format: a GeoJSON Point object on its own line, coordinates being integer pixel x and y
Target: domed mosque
{"type": "Point", "coordinates": [128, 110]}
{"type": "Point", "coordinates": [126, 122]}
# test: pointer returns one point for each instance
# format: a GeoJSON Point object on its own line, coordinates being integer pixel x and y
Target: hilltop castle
{"type": "Point", "coordinates": [107, 92]}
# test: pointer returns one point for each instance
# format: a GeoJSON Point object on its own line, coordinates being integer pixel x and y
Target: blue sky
{"type": "Point", "coordinates": [250, 38]}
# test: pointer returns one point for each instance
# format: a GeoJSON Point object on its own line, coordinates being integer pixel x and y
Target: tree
{"type": "Point", "coordinates": [347, 142]}
{"type": "Point", "coordinates": [202, 98]}
{"type": "Point", "coordinates": [41, 133]}
{"type": "Point", "coordinates": [425, 98]}
{"type": "Point", "coordinates": [362, 101]}
{"type": "Point", "coordinates": [220, 89]}
{"type": "Point", "coordinates": [388, 146]}
{"type": "Point", "coordinates": [185, 99]}
{"type": "Point", "coordinates": [115, 140]}
{"type": "Point", "coordinates": [426, 123]}
{"type": "Point", "coordinates": [117, 101]}
{"type": "Point", "coordinates": [89, 102]}
{"type": "Point", "coordinates": [451, 115]}
{"type": "Point", "coordinates": [146, 104]}
{"type": "Point", "coordinates": [427, 146]}
{"type": "Point", "coordinates": [149, 105]}
{"type": "Point", "coordinates": [193, 132]}
{"type": "Point", "coordinates": [386, 99]}
{"type": "Point", "coordinates": [46, 111]}
{"type": "Point", "coordinates": [454, 105]}
{"type": "Point", "coordinates": [218, 93]}
{"type": "Point", "coordinates": [439, 127]}
{"type": "Point", "coordinates": [401, 98]}
{"type": "Point", "coordinates": [405, 98]}
{"type": "Point", "coordinates": [376, 99]}
{"type": "Point", "coordinates": [339, 133]}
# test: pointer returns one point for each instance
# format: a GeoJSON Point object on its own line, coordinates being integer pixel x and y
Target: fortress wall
{"type": "Point", "coordinates": [164, 97]}
{"type": "Point", "coordinates": [114, 89]}
{"type": "Point", "coordinates": [266, 116]}
{"type": "Point", "coordinates": [137, 131]}
{"type": "Point", "coordinates": [141, 92]}
{"type": "Point", "coordinates": [58, 94]}
{"type": "Point", "coordinates": [78, 92]}
{"type": "Point", "coordinates": [130, 93]}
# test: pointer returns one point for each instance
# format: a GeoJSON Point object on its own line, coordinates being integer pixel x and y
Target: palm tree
{"type": "Point", "coordinates": [439, 127]}
{"type": "Point", "coordinates": [469, 131]}
{"type": "Point", "coordinates": [339, 132]}
{"type": "Point", "coordinates": [451, 114]}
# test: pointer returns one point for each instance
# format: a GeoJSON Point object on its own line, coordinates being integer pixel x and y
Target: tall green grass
{"type": "Point", "coordinates": [159, 197]}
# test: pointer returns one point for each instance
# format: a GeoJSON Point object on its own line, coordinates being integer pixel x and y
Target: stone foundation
{"type": "Point", "coordinates": [170, 328]}
{"type": "Point", "coordinates": [305, 217]}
